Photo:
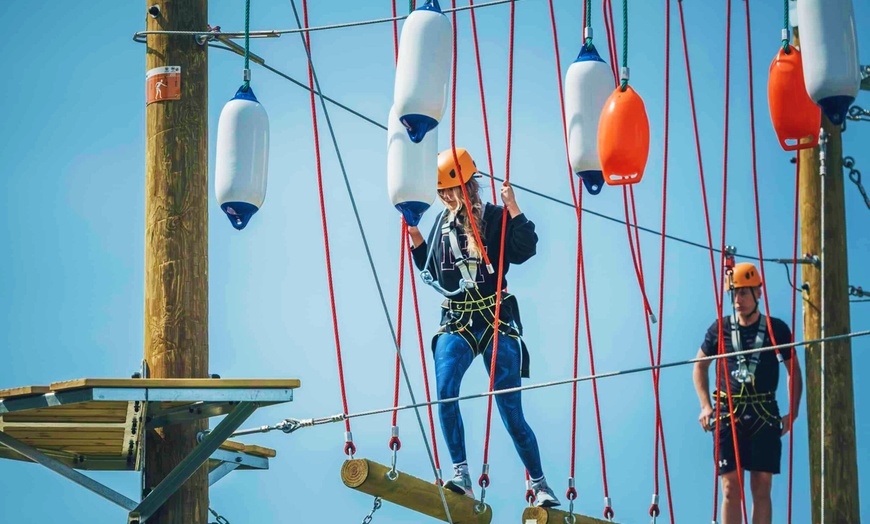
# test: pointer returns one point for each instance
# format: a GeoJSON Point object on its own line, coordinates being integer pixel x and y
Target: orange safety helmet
{"type": "Point", "coordinates": [744, 274]}
{"type": "Point", "coordinates": [448, 175]}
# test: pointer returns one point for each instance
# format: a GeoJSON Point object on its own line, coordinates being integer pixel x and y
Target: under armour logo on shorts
{"type": "Point", "coordinates": [723, 463]}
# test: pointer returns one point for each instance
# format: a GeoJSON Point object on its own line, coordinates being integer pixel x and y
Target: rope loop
{"type": "Point", "coordinates": [571, 493]}
{"type": "Point", "coordinates": [608, 513]}
{"type": "Point", "coordinates": [530, 496]}
{"type": "Point", "coordinates": [350, 449]}
{"type": "Point", "coordinates": [483, 481]}
{"type": "Point", "coordinates": [654, 511]}
{"type": "Point", "coordinates": [395, 444]}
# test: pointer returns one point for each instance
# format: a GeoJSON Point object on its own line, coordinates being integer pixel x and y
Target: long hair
{"type": "Point", "coordinates": [461, 215]}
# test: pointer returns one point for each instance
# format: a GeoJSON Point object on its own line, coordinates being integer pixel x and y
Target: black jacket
{"type": "Point", "coordinates": [520, 245]}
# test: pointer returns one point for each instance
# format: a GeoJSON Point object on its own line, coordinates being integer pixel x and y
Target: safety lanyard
{"type": "Point", "coordinates": [745, 372]}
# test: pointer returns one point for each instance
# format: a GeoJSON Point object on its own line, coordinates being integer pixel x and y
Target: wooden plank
{"type": "Point", "coordinates": [411, 492]}
{"type": "Point", "coordinates": [80, 417]}
{"type": "Point", "coordinates": [230, 445]}
{"type": "Point", "coordinates": [259, 451]}
{"type": "Point", "coordinates": [87, 433]}
{"type": "Point", "coordinates": [204, 383]}
{"type": "Point", "coordinates": [25, 391]}
{"type": "Point", "coordinates": [535, 515]}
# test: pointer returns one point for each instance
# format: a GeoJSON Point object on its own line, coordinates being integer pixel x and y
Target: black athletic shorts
{"type": "Point", "coordinates": [759, 441]}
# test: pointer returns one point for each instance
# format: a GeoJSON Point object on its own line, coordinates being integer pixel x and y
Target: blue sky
{"type": "Point", "coordinates": [72, 146]}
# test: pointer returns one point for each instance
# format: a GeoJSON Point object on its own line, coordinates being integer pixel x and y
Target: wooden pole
{"type": "Point", "coordinates": [411, 492]}
{"type": "Point", "coordinates": [841, 466]}
{"type": "Point", "coordinates": [176, 243]}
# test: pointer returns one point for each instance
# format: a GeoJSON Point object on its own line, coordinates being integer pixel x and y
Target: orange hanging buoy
{"type": "Point", "coordinates": [796, 118]}
{"type": "Point", "coordinates": [623, 138]}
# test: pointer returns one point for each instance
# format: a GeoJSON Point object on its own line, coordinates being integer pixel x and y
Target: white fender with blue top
{"type": "Point", "coordinates": [423, 70]}
{"type": "Point", "coordinates": [588, 83]}
{"type": "Point", "coordinates": [412, 170]}
{"type": "Point", "coordinates": [242, 160]}
{"type": "Point", "coordinates": [829, 50]}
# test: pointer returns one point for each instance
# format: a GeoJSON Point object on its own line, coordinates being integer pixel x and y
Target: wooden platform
{"type": "Point", "coordinates": [535, 515]}
{"type": "Point", "coordinates": [96, 424]}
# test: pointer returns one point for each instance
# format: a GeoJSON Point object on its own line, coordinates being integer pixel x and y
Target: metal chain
{"type": "Point", "coordinates": [218, 517]}
{"type": "Point", "coordinates": [376, 506]}
{"type": "Point", "coordinates": [858, 114]}
{"type": "Point", "coordinates": [855, 177]}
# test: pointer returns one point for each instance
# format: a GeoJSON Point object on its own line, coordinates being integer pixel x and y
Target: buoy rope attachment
{"type": "Point", "coordinates": [246, 74]}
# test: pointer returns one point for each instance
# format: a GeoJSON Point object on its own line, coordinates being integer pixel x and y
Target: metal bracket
{"type": "Point", "coordinates": [66, 471]}
{"type": "Point", "coordinates": [178, 476]}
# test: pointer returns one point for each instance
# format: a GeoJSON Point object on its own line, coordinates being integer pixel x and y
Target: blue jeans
{"type": "Point", "coordinates": [453, 357]}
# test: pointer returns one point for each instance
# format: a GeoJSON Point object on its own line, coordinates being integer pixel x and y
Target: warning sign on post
{"type": "Point", "coordinates": [162, 83]}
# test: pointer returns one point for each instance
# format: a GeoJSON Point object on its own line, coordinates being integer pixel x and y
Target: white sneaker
{"type": "Point", "coordinates": [544, 496]}
{"type": "Point", "coordinates": [460, 484]}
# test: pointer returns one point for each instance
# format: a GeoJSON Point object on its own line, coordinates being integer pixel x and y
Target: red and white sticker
{"type": "Point", "coordinates": [162, 83]}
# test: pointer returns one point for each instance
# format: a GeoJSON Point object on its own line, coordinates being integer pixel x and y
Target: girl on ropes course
{"type": "Point", "coordinates": [451, 260]}
{"type": "Point", "coordinates": [746, 400]}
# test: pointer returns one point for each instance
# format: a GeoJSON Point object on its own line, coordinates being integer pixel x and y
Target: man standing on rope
{"type": "Point", "coordinates": [453, 262]}
{"type": "Point", "coordinates": [753, 379]}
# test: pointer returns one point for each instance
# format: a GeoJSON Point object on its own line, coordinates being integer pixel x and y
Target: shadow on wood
{"type": "Point", "coordinates": [411, 492]}
{"type": "Point", "coordinates": [535, 515]}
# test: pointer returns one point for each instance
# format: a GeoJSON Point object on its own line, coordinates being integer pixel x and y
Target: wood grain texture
{"type": "Point", "coordinates": [25, 391]}
{"type": "Point", "coordinates": [176, 244]}
{"type": "Point", "coordinates": [535, 515]}
{"type": "Point", "coordinates": [160, 383]}
{"type": "Point", "coordinates": [841, 470]}
{"type": "Point", "coordinates": [413, 493]}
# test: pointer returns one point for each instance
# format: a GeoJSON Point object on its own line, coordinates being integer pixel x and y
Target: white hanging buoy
{"type": "Point", "coordinates": [829, 49]}
{"type": "Point", "coordinates": [242, 160]}
{"type": "Point", "coordinates": [412, 170]}
{"type": "Point", "coordinates": [588, 83]}
{"type": "Point", "coordinates": [423, 70]}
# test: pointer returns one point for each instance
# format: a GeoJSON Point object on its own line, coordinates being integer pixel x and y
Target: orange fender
{"type": "Point", "coordinates": [623, 138]}
{"type": "Point", "coordinates": [796, 118]}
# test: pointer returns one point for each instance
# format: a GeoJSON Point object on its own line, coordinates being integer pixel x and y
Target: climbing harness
{"type": "Point", "coordinates": [745, 372]}
{"type": "Point", "coordinates": [464, 264]}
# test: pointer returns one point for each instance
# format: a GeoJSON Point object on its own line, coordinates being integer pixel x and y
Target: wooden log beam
{"type": "Point", "coordinates": [411, 492]}
{"type": "Point", "coordinates": [535, 515]}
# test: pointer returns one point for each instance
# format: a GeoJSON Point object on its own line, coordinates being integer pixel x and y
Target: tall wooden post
{"type": "Point", "coordinates": [840, 458]}
{"type": "Point", "coordinates": [176, 242]}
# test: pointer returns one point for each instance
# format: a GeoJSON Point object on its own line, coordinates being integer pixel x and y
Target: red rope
{"type": "Point", "coordinates": [657, 374]}
{"type": "Point", "coordinates": [607, 11]}
{"type": "Point", "coordinates": [394, 441]}
{"type": "Point", "coordinates": [721, 339]}
{"type": "Point", "coordinates": [453, 145]}
{"type": "Point", "coordinates": [761, 253]}
{"type": "Point", "coordinates": [562, 103]}
{"type": "Point", "coordinates": [482, 98]}
{"type": "Point", "coordinates": [395, 32]}
{"type": "Point", "coordinates": [423, 360]}
{"type": "Point", "coordinates": [716, 289]}
{"type": "Point", "coordinates": [484, 478]}
{"type": "Point", "coordinates": [797, 192]}
{"type": "Point", "coordinates": [349, 447]}
{"type": "Point", "coordinates": [571, 493]}
{"type": "Point", "coordinates": [608, 511]}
